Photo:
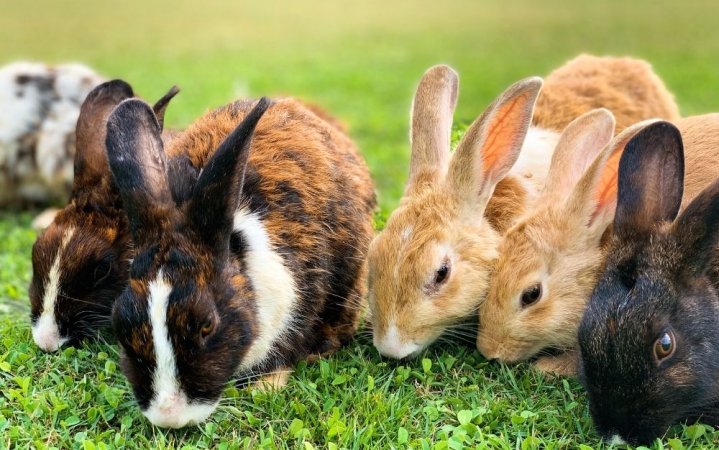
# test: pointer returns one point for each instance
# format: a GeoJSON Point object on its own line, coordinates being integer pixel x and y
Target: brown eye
{"type": "Point", "coordinates": [664, 346]}
{"type": "Point", "coordinates": [207, 328]}
{"type": "Point", "coordinates": [531, 295]}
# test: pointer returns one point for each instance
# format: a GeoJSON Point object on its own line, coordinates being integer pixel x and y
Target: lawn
{"type": "Point", "coordinates": [359, 60]}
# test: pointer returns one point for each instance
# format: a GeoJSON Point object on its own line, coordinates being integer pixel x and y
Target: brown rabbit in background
{"type": "Point", "coordinates": [550, 259]}
{"type": "Point", "coordinates": [430, 267]}
{"type": "Point", "coordinates": [80, 262]}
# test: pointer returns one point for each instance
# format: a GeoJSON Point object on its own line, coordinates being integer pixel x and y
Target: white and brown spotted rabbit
{"type": "Point", "coordinates": [39, 106]}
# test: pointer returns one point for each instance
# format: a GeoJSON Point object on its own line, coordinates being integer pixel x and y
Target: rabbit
{"type": "Point", "coordinates": [80, 262]}
{"type": "Point", "coordinates": [39, 105]}
{"type": "Point", "coordinates": [549, 260]}
{"type": "Point", "coordinates": [429, 268]}
{"type": "Point", "coordinates": [649, 355]}
{"type": "Point", "coordinates": [628, 87]}
{"type": "Point", "coordinates": [264, 266]}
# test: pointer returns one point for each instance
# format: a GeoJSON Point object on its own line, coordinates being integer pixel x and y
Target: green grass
{"type": "Point", "coordinates": [360, 60]}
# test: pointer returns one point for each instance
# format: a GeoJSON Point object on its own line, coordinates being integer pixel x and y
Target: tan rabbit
{"type": "Point", "coordinates": [429, 269]}
{"type": "Point", "coordinates": [628, 87]}
{"type": "Point", "coordinates": [432, 261]}
{"type": "Point", "coordinates": [550, 259]}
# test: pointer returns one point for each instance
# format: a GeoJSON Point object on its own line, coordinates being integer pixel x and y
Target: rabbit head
{"type": "Point", "coordinates": [649, 351]}
{"type": "Point", "coordinates": [548, 261]}
{"type": "Point", "coordinates": [429, 268]}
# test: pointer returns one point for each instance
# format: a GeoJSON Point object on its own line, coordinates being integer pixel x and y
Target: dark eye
{"type": "Point", "coordinates": [441, 275]}
{"type": "Point", "coordinates": [207, 327]}
{"type": "Point", "coordinates": [531, 295]}
{"type": "Point", "coordinates": [664, 346]}
{"type": "Point", "coordinates": [101, 271]}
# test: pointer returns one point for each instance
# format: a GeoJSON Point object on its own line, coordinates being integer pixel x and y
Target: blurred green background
{"type": "Point", "coordinates": [360, 61]}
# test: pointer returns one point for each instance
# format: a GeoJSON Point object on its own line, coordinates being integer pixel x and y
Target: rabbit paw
{"type": "Point", "coordinates": [564, 364]}
{"type": "Point", "coordinates": [273, 381]}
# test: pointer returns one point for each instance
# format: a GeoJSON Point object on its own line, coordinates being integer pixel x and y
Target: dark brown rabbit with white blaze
{"type": "Point", "coordinates": [80, 262]}
{"type": "Point", "coordinates": [429, 269]}
{"type": "Point", "coordinates": [262, 267]}
{"type": "Point", "coordinates": [648, 341]}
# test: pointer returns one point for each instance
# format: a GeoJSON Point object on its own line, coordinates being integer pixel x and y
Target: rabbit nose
{"type": "Point", "coordinates": [46, 334]}
{"type": "Point", "coordinates": [392, 346]}
{"type": "Point", "coordinates": [490, 352]}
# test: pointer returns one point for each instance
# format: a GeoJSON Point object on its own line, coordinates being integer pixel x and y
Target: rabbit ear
{"type": "Point", "coordinates": [137, 160]}
{"type": "Point", "coordinates": [431, 126]}
{"type": "Point", "coordinates": [160, 106]}
{"type": "Point", "coordinates": [91, 158]}
{"type": "Point", "coordinates": [216, 195]}
{"type": "Point", "coordinates": [578, 146]}
{"type": "Point", "coordinates": [697, 229]}
{"type": "Point", "coordinates": [651, 179]}
{"type": "Point", "coordinates": [593, 200]}
{"type": "Point", "coordinates": [492, 143]}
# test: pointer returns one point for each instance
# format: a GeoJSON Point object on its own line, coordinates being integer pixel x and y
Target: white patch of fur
{"type": "Point", "coordinates": [48, 112]}
{"type": "Point", "coordinates": [616, 440]}
{"type": "Point", "coordinates": [535, 156]}
{"type": "Point", "coordinates": [46, 332]}
{"type": "Point", "coordinates": [169, 406]}
{"type": "Point", "coordinates": [274, 286]}
{"type": "Point", "coordinates": [392, 345]}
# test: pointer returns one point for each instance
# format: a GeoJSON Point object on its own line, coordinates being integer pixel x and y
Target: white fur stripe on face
{"type": "Point", "coordinates": [169, 406]}
{"type": "Point", "coordinates": [164, 382]}
{"type": "Point", "coordinates": [273, 284]}
{"type": "Point", "coordinates": [46, 332]}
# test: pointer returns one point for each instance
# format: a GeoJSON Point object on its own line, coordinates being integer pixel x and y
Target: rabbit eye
{"type": "Point", "coordinates": [207, 328]}
{"type": "Point", "coordinates": [440, 277]}
{"type": "Point", "coordinates": [101, 272]}
{"type": "Point", "coordinates": [531, 295]}
{"type": "Point", "coordinates": [442, 273]}
{"type": "Point", "coordinates": [664, 346]}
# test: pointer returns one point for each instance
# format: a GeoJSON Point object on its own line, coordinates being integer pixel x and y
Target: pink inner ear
{"type": "Point", "coordinates": [502, 133]}
{"type": "Point", "coordinates": [606, 191]}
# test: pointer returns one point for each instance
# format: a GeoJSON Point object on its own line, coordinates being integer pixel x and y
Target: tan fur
{"type": "Point", "coordinates": [627, 87]}
{"type": "Point", "coordinates": [554, 244]}
{"type": "Point", "coordinates": [274, 381]}
{"type": "Point", "coordinates": [441, 216]}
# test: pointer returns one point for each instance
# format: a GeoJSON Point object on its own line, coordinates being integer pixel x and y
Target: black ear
{"type": "Point", "coordinates": [651, 179]}
{"type": "Point", "coordinates": [182, 176]}
{"type": "Point", "coordinates": [137, 161]}
{"type": "Point", "coordinates": [697, 229]}
{"type": "Point", "coordinates": [161, 105]}
{"type": "Point", "coordinates": [216, 195]}
{"type": "Point", "coordinates": [90, 157]}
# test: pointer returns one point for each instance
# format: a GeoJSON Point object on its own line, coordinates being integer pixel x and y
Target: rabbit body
{"type": "Point", "coordinates": [262, 267]}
